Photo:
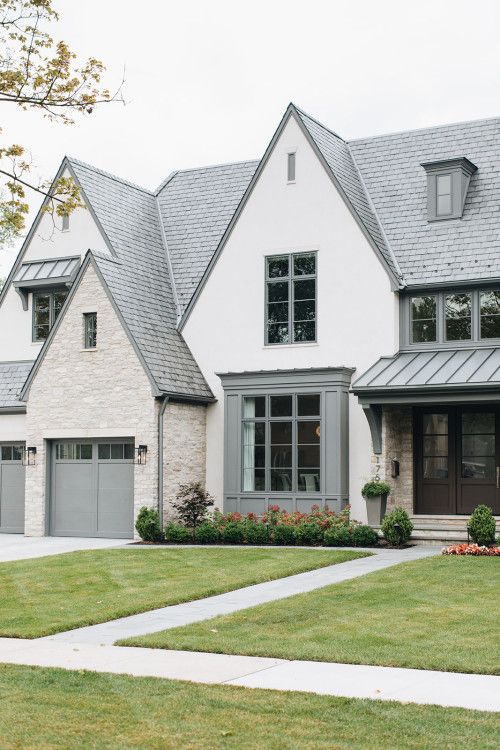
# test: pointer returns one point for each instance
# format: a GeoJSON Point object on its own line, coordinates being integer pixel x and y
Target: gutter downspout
{"type": "Point", "coordinates": [160, 458]}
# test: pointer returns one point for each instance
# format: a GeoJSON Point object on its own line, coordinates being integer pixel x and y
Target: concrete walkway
{"type": "Point", "coordinates": [250, 596]}
{"type": "Point", "coordinates": [18, 547]}
{"type": "Point", "coordinates": [480, 692]}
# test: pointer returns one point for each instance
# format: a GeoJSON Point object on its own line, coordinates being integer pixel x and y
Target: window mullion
{"type": "Point", "coordinates": [291, 337]}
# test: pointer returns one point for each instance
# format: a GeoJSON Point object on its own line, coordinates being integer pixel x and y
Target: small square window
{"type": "Point", "coordinates": [90, 330]}
{"type": "Point", "coordinates": [291, 167]}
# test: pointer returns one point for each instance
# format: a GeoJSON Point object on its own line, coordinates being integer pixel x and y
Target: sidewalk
{"type": "Point", "coordinates": [480, 692]}
{"type": "Point", "coordinates": [232, 601]}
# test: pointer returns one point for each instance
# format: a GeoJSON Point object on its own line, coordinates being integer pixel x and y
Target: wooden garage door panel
{"type": "Point", "coordinates": [12, 497]}
{"type": "Point", "coordinates": [115, 499]}
{"type": "Point", "coordinates": [73, 509]}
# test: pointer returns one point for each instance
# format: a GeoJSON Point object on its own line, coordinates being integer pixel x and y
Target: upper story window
{"type": "Point", "coordinates": [65, 222]}
{"type": "Point", "coordinates": [90, 330]}
{"type": "Point", "coordinates": [291, 298]}
{"type": "Point", "coordinates": [447, 185]}
{"type": "Point", "coordinates": [451, 317]}
{"type": "Point", "coordinates": [423, 319]}
{"type": "Point", "coordinates": [46, 308]}
{"type": "Point", "coordinates": [290, 166]}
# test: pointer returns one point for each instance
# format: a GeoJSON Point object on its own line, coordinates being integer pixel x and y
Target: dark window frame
{"type": "Point", "coordinates": [90, 330]}
{"type": "Point", "coordinates": [290, 278]}
{"type": "Point", "coordinates": [294, 418]}
{"type": "Point", "coordinates": [442, 341]}
{"type": "Point", "coordinates": [53, 315]}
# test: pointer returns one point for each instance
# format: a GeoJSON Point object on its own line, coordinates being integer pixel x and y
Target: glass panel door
{"type": "Point", "coordinates": [477, 459]}
{"type": "Point", "coordinates": [435, 461]}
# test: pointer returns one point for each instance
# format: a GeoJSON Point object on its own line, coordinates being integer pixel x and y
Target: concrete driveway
{"type": "Point", "coordinates": [19, 547]}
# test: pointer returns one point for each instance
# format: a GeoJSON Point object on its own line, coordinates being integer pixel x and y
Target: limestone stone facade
{"type": "Point", "coordinates": [184, 452]}
{"type": "Point", "coordinates": [89, 393]}
{"type": "Point", "coordinates": [397, 443]}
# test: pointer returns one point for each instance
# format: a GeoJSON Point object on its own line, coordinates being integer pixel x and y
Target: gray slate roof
{"type": "Point", "coordinates": [12, 377]}
{"type": "Point", "coordinates": [442, 251]}
{"type": "Point", "coordinates": [196, 206]}
{"type": "Point", "coordinates": [446, 368]}
{"type": "Point", "coordinates": [337, 154]}
{"type": "Point", "coordinates": [138, 278]}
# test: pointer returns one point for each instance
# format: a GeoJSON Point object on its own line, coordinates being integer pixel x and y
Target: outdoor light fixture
{"type": "Point", "coordinates": [29, 456]}
{"type": "Point", "coordinates": [394, 468]}
{"type": "Point", "coordinates": [141, 454]}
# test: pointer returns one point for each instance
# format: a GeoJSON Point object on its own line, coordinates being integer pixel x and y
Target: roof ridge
{"type": "Point", "coordinates": [427, 129]}
{"type": "Point", "coordinates": [110, 175]}
{"type": "Point", "coordinates": [375, 213]}
{"type": "Point", "coordinates": [322, 125]}
{"type": "Point", "coordinates": [168, 259]}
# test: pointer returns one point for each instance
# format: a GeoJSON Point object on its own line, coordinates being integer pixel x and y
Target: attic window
{"type": "Point", "coordinates": [291, 167]}
{"type": "Point", "coordinates": [447, 185]}
{"type": "Point", "coordinates": [65, 222]}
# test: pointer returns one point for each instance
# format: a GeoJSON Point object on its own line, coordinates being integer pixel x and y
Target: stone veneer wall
{"type": "Point", "coordinates": [184, 449]}
{"type": "Point", "coordinates": [397, 443]}
{"type": "Point", "coordinates": [90, 393]}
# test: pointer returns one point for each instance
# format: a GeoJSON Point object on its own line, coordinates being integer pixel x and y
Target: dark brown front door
{"type": "Point", "coordinates": [457, 459]}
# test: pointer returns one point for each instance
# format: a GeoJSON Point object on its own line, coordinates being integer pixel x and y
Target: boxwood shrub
{"type": "Point", "coordinates": [363, 536]}
{"type": "Point", "coordinates": [256, 533]}
{"type": "Point", "coordinates": [232, 533]}
{"type": "Point", "coordinates": [309, 534]}
{"type": "Point", "coordinates": [148, 525]}
{"type": "Point", "coordinates": [397, 527]}
{"type": "Point", "coordinates": [207, 533]}
{"type": "Point", "coordinates": [177, 533]}
{"type": "Point", "coordinates": [338, 536]}
{"type": "Point", "coordinates": [482, 526]}
{"type": "Point", "coordinates": [283, 534]}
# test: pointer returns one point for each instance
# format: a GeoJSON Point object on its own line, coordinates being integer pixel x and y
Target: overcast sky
{"type": "Point", "coordinates": [208, 81]}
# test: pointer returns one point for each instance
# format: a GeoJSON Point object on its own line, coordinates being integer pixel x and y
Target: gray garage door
{"type": "Point", "coordinates": [92, 488]}
{"type": "Point", "coordinates": [11, 489]}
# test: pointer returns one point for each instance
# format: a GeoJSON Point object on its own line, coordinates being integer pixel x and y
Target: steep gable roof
{"type": "Point", "coordinates": [444, 251]}
{"type": "Point", "coordinates": [338, 157]}
{"type": "Point", "coordinates": [196, 206]}
{"type": "Point", "coordinates": [12, 377]}
{"type": "Point", "coordinates": [139, 282]}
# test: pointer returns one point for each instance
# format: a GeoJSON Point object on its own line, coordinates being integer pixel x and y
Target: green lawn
{"type": "Point", "coordinates": [439, 613]}
{"type": "Point", "coordinates": [50, 708]}
{"type": "Point", "coordinates": [46, 595]}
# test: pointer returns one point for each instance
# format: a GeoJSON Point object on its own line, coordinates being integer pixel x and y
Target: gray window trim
{"type": "Point", "coordinates": [441, 342]}
{"type": "Point", "coordinates": [50, 292]}
{"type": "Point", "coordinates": [291, 299]}
{"type": "Point", "coordinates": [90, 330]}
{"type": "Point", "coordinates": [294, 418]}
{"type": "Point", "coordinates": [332, 384]}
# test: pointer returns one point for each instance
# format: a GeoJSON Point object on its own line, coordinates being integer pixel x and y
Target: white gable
{"type": "Point", "coordinates": [356, 309]}
{"type": "Point", "coordinates": [47, 241]}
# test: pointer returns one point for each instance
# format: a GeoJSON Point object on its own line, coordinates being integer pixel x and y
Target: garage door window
{"type": "Point", "coordinates": [116, 451]}
{"type": "Point", "coordinates": [12, 453]}
{"type": "Point", "coordinates": [74, 451]}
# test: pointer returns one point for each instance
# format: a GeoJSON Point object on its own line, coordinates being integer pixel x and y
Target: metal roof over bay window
{"type": "Point", "coordinates": [45, 273]}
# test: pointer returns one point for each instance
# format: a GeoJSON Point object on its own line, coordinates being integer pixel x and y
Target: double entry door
{"type": "Point", "coordinates": [457, 459]}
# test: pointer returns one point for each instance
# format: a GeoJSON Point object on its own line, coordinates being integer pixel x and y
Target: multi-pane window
{"type": "Point", "coordinates": [46, 308]}
{"type": "Point", "coordinates": [443, 195]}
{"type": "Point", "coordinates": [490, 314]}
{"type": "Point", "coordinates": [458, 317]}
{"type": "Point", "coordinates": [73, 451]}
{"type": "Point", "coordinates": [291, 298]}
{"type": "Point", "coordinates": [90, 330]}
{"type": "Point", "coordinates": [423, 319]}
{"type": "Point", "coordinates": [478, 445]}
{"type": "Point", "coordinates": [11, 452]}
{"type": "Point", "coordinates": [435, 446]}
{"type": "Point", "coordinates": [281, 438]}
{"type": "Point", "coordinates": [115, 451]}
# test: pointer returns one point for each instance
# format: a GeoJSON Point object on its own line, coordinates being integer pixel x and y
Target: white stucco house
{"type": "Point", "coordinates": [281, 330]}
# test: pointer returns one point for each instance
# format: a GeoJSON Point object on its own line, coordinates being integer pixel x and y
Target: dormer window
{"type": "Point", "coordinates": [447, 185]}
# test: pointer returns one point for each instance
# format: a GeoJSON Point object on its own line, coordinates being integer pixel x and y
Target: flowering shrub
{"type": "Point", "coordinates": [275, 526]}
{"type": "Point", "coordinates": [471, 549]}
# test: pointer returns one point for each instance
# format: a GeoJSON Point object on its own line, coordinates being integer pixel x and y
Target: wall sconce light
{"type": "Point", "coordinates": [394, 468]}
{"type": "Point", "coordinates": [141, 454]}
{"type": "Point", "coordinates": [29, 456]}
